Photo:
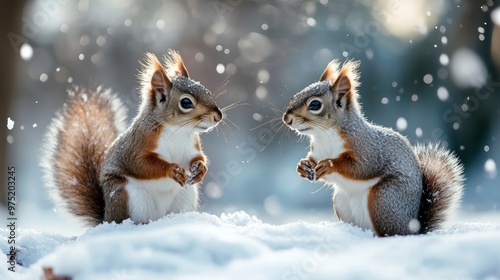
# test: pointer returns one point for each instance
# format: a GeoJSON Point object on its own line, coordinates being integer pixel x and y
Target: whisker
{"type": "Point", "coordinates": [276, 108]}
{"type": "Point", "coordinates": [288, 133]}
{"type": "Point", "coordinates": [288, 92]}
{"type": "Point", "coordinates": [230, 121]}
{"type": "Point", "coordinates": [219, 94]}
{"type": "Point", "coordinates": [301, 138]}
{"type": "Point", "coordinates": [233, 105]}
{"type": "Point", "coordinates": [181, 126]}
{"type": "Point", "coordinates": [284, 132]}
{"type": "Point", "coordinates": [262, 124]}
{"type": "Point", "coordinates": [281, 137]}
{"type": "Point", "coordinates": [227, 125]}
{"type": "Point", "coordinates": [319, 189]}
{"type": "Point", "coordinates": [223, 84]}
{"type": "Point", "coordinates": [270, 141]}
{"type": "Point", "coordinates": [217, 128]}
{"type": "Point", "coordinates": [270, 129]}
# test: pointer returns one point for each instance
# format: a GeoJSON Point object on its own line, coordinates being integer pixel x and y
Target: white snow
{"type": "Point", "coordinates": [10, 123]}
{"type": "Point", "coordinates": [220, 68]}
{"type": "Point", "coordinates": [495, 16]}
{"type": "Point", "coordinates": [263, 76]}
{"type": "Point", "coordinates": [428, 78]}
{"type": "Point", "coordinates": [419, 132]}
{"type": "Point", "coordinates": [261, 92]}
{"type": "Point", "coordinates": [444, 59]}
{"type": "Point", "coordinates": [468, 69]}
{"type": "Point", "coordinates": [43, 77]}
{"type": "Point", "coordinates": [74, 181]}
{"type": "Point", "coordinates": [491, 168]}
{"type": "Point", "coordinates": [444, 40]}
{"type": "Point", "coordinates": [26, 52]}
{"type": "Point", "coordinates": [401, 124]}
{"type": "Point", "coordinates": [239, 246]}
{"type": "Point", "coordinates": [442, 93]}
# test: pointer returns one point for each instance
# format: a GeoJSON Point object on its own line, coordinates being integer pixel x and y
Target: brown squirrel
{"type": "Point", "coordinates": [381, 182]}
{"type": "Point", "coordinates": [101, 171]}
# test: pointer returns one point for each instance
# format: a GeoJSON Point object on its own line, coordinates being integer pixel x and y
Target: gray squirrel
{"type": "Point", "coordinates": [102, 171]}
{"type": "Point", "coordinates": [381, 182]}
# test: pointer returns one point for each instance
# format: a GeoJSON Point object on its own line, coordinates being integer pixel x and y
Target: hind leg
{"type": "Point", "coordinates": [393, 206]}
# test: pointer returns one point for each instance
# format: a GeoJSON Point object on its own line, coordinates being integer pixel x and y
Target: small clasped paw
{"type": "Point", "coordinates": [198, 170]}
{"type": "Point", "coordinates": [323, 168]}
{"type": "Point", "coordinates": [306, 169]}
{"type": "Point", "coordinates": [179, 174]}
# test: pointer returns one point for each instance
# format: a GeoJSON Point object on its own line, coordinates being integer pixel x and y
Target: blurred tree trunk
{"type": "Point", "coordinates": [10, 22]}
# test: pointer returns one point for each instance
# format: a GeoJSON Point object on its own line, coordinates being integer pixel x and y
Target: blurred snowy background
{"type": "Point", "coordinates": [429, 69]}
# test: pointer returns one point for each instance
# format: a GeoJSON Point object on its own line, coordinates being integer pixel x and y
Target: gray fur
{"type": "Point", "coordinates": [194, 88]}
{"type": "Point", "coordinates": [316, 89]}
{"type": "Point", "coordinates": [408, 175]}
{"type": "Point", "coordinates": [383, 152]}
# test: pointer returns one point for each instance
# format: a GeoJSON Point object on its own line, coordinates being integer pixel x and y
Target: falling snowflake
{"type": "Point", "coordinates": [10, 124]}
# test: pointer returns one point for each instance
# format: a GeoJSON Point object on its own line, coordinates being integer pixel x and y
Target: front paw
{"type": "Point", "coordinates": [198, 170]}
{"type": "Point", "coordinates": [178, 174]}
{"type": "Point", "coordinates": [323, 168]}
{"type": "Point", "coordinates": [305, 168]}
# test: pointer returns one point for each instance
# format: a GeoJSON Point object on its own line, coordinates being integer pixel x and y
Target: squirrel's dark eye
{"type": "Point", "coordinates": [315, 105]}
{"type": "Point", "coordinates": [186, 103]}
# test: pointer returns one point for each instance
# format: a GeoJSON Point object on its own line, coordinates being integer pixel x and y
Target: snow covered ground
{"type": "Point", "coordinates": [240, 246]}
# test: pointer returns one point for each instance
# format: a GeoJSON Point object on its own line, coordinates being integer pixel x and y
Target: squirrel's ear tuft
{"type": "Point", "coordinates": [331, 71]}
{"type": "Point", "coordinates": [154, 80]}
{"type": "Point", "coordinates": [345, 85]}
{"type": "Point", "coordinates": [175, 65]}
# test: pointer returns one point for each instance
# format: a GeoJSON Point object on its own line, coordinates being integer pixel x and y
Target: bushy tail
{"type": "Point", "coordinates": [443, 183]}
{"type": "Point", "coordinates": [75, 145]}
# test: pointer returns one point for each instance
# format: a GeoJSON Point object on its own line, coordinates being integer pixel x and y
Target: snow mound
{"type": "Point", "coordinates": [240, 246]}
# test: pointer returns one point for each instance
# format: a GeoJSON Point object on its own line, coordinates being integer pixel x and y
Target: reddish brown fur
{"type": "Point", "coordinates": [373, 199]}
{"type": "Point", "coordinates": [89, 165]}
{"type": "Point", "coordinates": [82, 189]}
{"type": "Point", "coordinates": [199, 158]}
{"type": "Point", "coordinates": [343, 164]}
{"type": "Point", "coordinates": [144, 164]}
{"type": "Point", "coordinates": [202, 169]}
{"type": "Point", "coordinates": [331, 70]}
{"type": "Point", "coordinates": [48, 274]}
{"type": "Point", "coordinates": [197, 143]}
{"type": "Point", "coordinates": [152, 74]}
{"type": "Point", "coordinates": [175, 65]}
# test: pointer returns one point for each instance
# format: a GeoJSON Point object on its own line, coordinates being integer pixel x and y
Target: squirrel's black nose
{"type": "Point", "coordinates": [217, 116]}
{"type": "Point", "coordinates": [287, 118]}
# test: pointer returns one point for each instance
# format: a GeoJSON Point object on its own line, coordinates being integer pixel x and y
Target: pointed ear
{"type": "Point", "coordinates": [175, 64]}
{"type": "Point", "coordinates": [154, 80]}
{"type": "Point", "coordinates": [331, 71]}
{"type": "Point", "coordinates": [344, 87]}
{"type": "Point", "coordinates": [342, 92]}
{"type": "Point", "coordinates": [160, 85]}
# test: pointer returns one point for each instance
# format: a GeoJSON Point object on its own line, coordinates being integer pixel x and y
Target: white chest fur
{"type": "Point", "coordinates": [327, 145]}
{"type": "Point", "coordinates": [351, 200]}
{"type": "Point", "coordinates": [153, 199]}
{"type": "Point", "coordinates": [351, 196]}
